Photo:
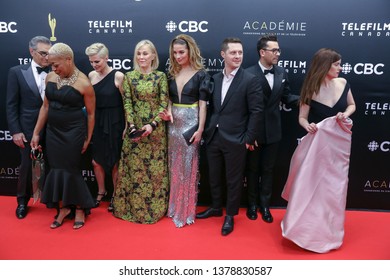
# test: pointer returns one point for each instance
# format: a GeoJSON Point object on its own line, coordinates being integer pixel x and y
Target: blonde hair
{"type": "Point", "coordinates": [194, 56]}
{"type": "Point", "coordinates": [97, 48]}
{"type": "Point", "coordinates": [61, 49]}
{"type": "Point", "coordinates": [155, 62]}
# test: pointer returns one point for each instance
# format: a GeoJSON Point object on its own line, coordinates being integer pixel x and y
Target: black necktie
{"type": "Point", "coordinates": [40, 69]}
{"type": "Point", "coordinates": [266, 71]}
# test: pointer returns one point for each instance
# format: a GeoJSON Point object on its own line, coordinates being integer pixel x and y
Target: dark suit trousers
{"type": "Point", "coordinates": [24, 185]}
{"type": "Point", "coordinates": [226, 167]}
{"type": "Point", "coordinates": [259, 172]}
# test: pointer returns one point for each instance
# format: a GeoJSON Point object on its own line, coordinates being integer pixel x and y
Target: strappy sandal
{"type": "Point", "coordinates": [77, 223]}
{"type": "Point", "coordinates": [97, 201]}
{"type": "Point", "coordinates": [57, 223]}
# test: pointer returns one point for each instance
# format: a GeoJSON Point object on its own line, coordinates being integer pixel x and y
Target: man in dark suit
{"type": "Point", "coordinates": [25, 93]}
{"type": "Point", "coordinates": [261, 161]}
{"type": "Point", "coordinates": [233, 123]}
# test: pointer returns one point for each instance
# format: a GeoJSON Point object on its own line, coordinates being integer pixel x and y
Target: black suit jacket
{"type": "Point", "coordinates": [271, 127]}
{"type": "Point", "coordinates": [23, 100]}
{"type": "Point", "coordinates": [239, 117]}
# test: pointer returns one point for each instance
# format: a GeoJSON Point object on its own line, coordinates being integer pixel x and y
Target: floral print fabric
{"type": "Point", "coordinates": [141, 194]}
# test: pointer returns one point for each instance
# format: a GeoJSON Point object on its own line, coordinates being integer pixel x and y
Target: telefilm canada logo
{"type": "Point", "coordinates": [365, 29]}
{"type": "Point", "coordinates": [110, 26]}
{"type": "Point", "coordinates": [279, 28]}
{"type": "Point", "coordinates": [293, 66]}
{"type": "Point", "coordinates": [187, 26]}
{"type": "Point", "coordinates": [88, 175]}
{"type": "Point", "coordinates": [376, 108]}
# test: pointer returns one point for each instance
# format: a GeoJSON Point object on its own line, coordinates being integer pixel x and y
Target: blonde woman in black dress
{"type": "Point", "coordinates": [109, 115]}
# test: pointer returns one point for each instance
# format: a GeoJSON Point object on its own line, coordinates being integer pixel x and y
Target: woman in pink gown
{"type": "Point", "coordinates": [316, 188]}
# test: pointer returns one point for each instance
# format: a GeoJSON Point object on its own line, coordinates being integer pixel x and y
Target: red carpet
{"type": "Point", "coordinates": [105, 237]}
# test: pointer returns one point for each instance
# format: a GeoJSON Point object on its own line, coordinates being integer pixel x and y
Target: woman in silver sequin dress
{"type": "Point", "coordinates": [189, 89]}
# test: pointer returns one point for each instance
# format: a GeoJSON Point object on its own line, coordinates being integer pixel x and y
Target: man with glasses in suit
{"type": "Point", "coordinates": [25, 94]}
{"type": "Point", "coordinates": [261, 160]}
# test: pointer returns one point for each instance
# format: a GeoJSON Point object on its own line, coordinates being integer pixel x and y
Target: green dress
{"type": "Point", "coordinates": [141, 194]}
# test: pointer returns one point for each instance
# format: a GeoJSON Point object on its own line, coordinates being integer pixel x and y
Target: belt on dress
{"type": "Point", "coordinates": [185, 105]}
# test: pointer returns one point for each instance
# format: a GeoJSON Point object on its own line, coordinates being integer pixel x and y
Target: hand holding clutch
{"type": "Point", "coordinates": [188, 134]}
{"type": "Point", "coordinates": [136, 133]}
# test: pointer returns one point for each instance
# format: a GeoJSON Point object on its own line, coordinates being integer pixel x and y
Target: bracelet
{"type": "Point", "coordinates": [153, 125]}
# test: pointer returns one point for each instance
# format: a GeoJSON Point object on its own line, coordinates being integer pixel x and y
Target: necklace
{"type": "Point", "coordinates": [68, 81]}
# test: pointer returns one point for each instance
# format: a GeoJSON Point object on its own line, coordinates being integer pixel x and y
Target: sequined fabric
{"type": "Point", "coordinates": [183, 165]}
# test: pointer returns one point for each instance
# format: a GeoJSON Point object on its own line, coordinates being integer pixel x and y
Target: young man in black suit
{"type": "Point", "coordinates": [261, 160]}
{"type": "Point", "coordinates": [233, 124]}
{"type": "Point", "coordinates": [25, 93]}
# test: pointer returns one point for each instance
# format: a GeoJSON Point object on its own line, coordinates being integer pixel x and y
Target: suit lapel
{"type": "Point", "coordinates": [29, 77]}
{"type": "Point", "coordinates": [264, 82]}
{"type": "Point", "coordinates": [278, 78]}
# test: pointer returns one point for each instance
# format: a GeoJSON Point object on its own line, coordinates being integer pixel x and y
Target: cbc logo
{"type": "Point", "coordinates": [187, 26]}
{"type": "Point", "coordinates": [6, 27]}
{"type": "Point", "coordinates": [5, 135]}
{"type": "Point", "coordinates": [118, 64]}
{"type": "Point", "coordinates": [363, 68]}
{"type": "Point", "coordinates": [384, 146]}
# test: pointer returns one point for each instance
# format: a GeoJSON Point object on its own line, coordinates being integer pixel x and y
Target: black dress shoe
{"type": "Point", "coordinates": [228, 225]}
{"type": "Point", "coordinates": [251, 212]}
{"type": "Point", "coordinates": [210, 212]}
{"type": "Point", "coordinates": [21, 211]}
{"type": "Point", "coordinates": [266, 215]}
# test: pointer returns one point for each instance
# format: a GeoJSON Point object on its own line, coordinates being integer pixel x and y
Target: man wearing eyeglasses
{"type": "Point", "coordinates": [25, 93]}
{"type": "Point", "coordinates": [261, 160]}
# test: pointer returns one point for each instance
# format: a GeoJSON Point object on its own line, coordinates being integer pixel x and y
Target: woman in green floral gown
{"type": "Point", "coordinates": [141, 194]}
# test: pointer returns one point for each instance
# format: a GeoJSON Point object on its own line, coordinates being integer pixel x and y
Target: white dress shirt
{"type": "Point", "coordinates": [269, 76]}
{"type": "Point", "coordinates": [226, 82]}
{"type": "Point", "coordinates": [39, 78]}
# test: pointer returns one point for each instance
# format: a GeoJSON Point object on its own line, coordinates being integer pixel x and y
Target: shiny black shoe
{"type": "Point", "coordinates": [209, 212]}
{"type": "Point", "coordinates": [228, 225]}
{"type": "Point", "coordinates": [251, 212]}
{"type": "Point", "coordinates": [21, 211]}
{"type": "Point", "coordinates": [266, 215]}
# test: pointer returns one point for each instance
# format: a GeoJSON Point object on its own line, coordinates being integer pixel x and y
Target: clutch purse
{"type": "Point", "coordinates": [136, 133]}
{"type": "Point", "coordinates": [188, 134]}
{"type": "Point", "coordinates": [38, 172]}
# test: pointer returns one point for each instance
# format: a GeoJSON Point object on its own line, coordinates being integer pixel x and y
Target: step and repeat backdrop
{"type": "Point", "coordinates": [358, 29]}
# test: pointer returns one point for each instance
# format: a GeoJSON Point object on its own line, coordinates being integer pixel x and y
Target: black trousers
{"type": "Point", "coordinates": [24, 185]}
{"type": "Point", "coordinates": [226, 162]}
{"type": "Point", "coordinates": [259, 172]}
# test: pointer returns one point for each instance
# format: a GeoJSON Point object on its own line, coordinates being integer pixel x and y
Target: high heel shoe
{"type": "Point", "coordinates": [101, 195]}
{"type": "Point", "coordinates": [79, 223]}
{"type": "Point", "coordinates": [111, 206]}
{"type": "Point", "coordinates": [57, 223]}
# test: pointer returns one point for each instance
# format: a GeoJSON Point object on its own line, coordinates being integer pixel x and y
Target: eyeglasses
{"type": "Point", "coordinates": [42, 53]}
{"type": "Point", "coordinates": [274, 51]}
